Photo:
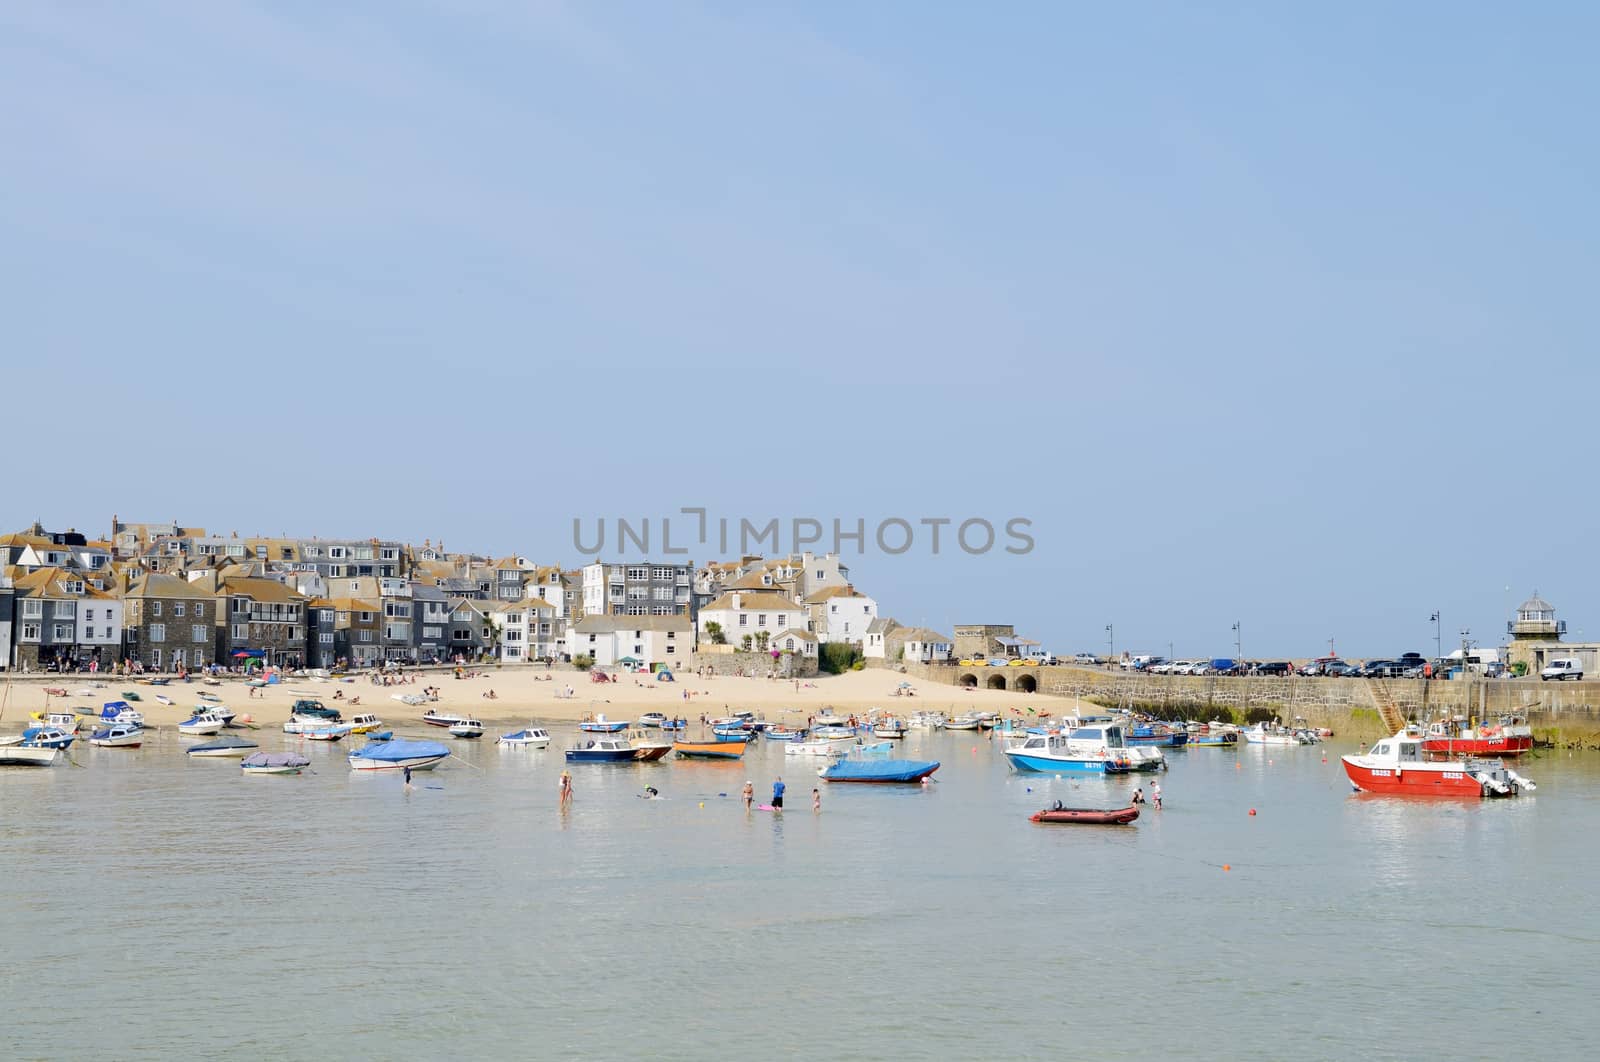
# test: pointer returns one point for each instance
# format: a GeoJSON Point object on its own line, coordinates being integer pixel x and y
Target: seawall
{"type": "Point", "coordinates": [1561, 713]}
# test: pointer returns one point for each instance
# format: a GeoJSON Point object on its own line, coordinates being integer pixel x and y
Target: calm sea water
{"type": "Point", "coordinates": [154, 907]}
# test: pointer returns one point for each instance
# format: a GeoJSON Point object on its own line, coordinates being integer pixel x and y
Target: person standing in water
{"type": "Point", "coordinates": [816, 800]}
{"type": "Point", "coordinates": [777, 795]}
{"type": "Point", "coordinates": [408, 777]}
{"type": "Point", "coordinates": [1155, 795]}
{"type": "Point", "coordinates": [566, 790]}
{"type": "Point", "coordinates": [749, 794]}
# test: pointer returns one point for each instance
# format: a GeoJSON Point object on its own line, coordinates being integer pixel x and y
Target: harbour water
{"type": "Point", "coordinates": [158, 908]}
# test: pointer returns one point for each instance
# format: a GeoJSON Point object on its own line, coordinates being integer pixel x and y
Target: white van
{"type": "Point", "coordinates": [1562, 668]}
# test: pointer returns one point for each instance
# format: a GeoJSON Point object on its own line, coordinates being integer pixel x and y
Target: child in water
{"type": "Point", "coordinates": [816, 800]}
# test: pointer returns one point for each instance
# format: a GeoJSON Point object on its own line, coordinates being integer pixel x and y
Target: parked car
{"type": "Point", "coordinates": [1561, 669]}
{"type": "Point", "coordinates": [1337, 669]}
{"type": "Point", "coordinates": [1086, 660]}
{"type": "Point", "coordinates": [1271, 667]}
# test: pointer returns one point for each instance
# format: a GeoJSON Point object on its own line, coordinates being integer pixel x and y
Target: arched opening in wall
{"type": "Point", "coordinates": [969, 682]}
{"type": "Point", "coordinates": [996, 682]}
{"type": "Point", "coordinates": [1027, 684]}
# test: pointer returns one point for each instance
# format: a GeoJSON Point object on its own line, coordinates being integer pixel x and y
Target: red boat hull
{"type": "Point", "coordinates": [1087, 816]}
{"type": "Point", "coordinates": [1432, 779]}
{"type": "Point", "coordinates": [1478, 746]}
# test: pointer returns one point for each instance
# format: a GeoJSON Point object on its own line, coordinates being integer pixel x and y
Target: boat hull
{"type": "Point", "coordinates": [27, 756]}
{"type": "Point", "coordinates": [1071, 765]}
{"type": "Point", "coordinates": [1086, 816]}
{"type": "Point", "coordinates": [650, 753]}
{"type": "Point", "coordinates": [602, 755]}
{"type": "Point", "coordinates": [416, 763]}
{"type": "Point", "coordinates": [1478, 746]}
{"type": "Point", "coordinates": [708, 750]}
{"type": "Point", "coordinates": [1423, 779]}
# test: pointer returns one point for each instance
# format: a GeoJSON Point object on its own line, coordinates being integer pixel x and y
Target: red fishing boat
{"type": "Point", "coordinates": [1399, 765]}
{"type": "Point", "coordinates": [1087, 816]}
{"type": "Point", "coordinates": [1510, 736]}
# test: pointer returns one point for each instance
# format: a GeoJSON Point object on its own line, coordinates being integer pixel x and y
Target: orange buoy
{"type": "Point", "coordinates": [1225, 866]}
{"type": "Point", "coordinates": [1252, 811]}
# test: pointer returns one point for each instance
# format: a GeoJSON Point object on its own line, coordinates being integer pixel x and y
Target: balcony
{"type": "Point", "coordinates": [1535, 630]}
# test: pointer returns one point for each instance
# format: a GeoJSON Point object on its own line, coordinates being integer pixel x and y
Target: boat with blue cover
{"type": "Point", "coordinates": [881, 771]}
{"type": "Point", "coordinates": [397, 755]}
{"type": "Point", "coordinates": [120, 712]}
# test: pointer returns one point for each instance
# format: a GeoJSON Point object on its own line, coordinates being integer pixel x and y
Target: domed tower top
{"type": "Point", "coordinates": [1536, 619]}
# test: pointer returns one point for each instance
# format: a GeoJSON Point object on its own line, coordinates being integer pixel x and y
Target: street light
{"type": "Point", "coordinates": [1111, 642]}
{"type": "Point", "coordinates": [1438, 644]}
{"type": "Point", "coordinates": [1238, 648]}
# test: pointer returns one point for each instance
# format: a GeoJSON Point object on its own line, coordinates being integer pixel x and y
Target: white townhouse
{"type": "Point", "coordinates": [740, 613]}
{"type": "Point", "coordinates": [800, 643]}
{"type": "Point", "coordinates": [646, 639]}
{"type": "Point", "coordinates": [841, 614]}
{"type": "Point", "coordinates": [923, 646]}
{"type": "Point", "coordinates": [526, 630]}
{"type": "Point", "coordinates": [874, 646]}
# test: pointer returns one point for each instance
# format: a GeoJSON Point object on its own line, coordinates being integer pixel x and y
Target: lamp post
{"type": "Point", "coordinates": [1111, 642]}
{"type": "Point", "coordinates": [1438, 644]}
{"type": "Point", "coordinates": [1238, 647]}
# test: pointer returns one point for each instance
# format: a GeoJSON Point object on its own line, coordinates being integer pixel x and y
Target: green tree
{"type": "Point", "coordinates": [762, 638]}
{"type": "Point", "coordinates": [718, 637]}
{"type": "Point", "coordinates": [744, 643]}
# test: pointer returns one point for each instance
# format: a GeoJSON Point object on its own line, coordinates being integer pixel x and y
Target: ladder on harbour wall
{"type": "Point", "coordinates": [1394, 720]}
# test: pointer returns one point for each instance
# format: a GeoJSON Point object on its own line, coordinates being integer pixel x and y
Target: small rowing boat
{"type": "Point", "coordinates": [708, 750]}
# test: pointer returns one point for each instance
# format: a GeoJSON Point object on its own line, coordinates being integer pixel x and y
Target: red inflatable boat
{"type": "Point", "coordinates": [1087, 816]}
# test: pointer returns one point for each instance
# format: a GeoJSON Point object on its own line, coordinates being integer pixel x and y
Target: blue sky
{"type": "Point", "coordinates": [1259, 313]}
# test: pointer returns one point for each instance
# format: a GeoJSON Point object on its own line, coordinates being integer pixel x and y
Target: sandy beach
{"type": "Point", "coordinates": [521, 694]}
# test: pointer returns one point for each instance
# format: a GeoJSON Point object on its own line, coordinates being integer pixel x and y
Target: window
{"type": "Point", "coordinates": [177, 609]}
{"type": "Point", "coordinates": [663, 593]}
{"type": "Point", "coordinates": [155, 659]}
{"type": "Point", "coordinates": [64, 608]}
{"type": "Point", "coordinates": [638, 610]}
{"type": "Point", "coordinates": [671, 635]}
{"type": "Point", "coordinates": [336, 552]}
{"type": "Point", "coordinates": [326, 637]}
{"type": "Point", "coordinates": [661, 574]}
{"type": "Point", "coordinates": [671, 649]}
{"type": "Point", "coordinates": [638, 593]}
{"type": "Point", "coordinates": [366, 636]}
{"type": "Point", "coordinates": [197, 633]}
{"type": "Point", "coordinates": [30, 632]}
{"type": "Point", "coordinates": [761, 619]}
{"type": "Point", "coordinates": [389, 553]}
{"type": "Point", "coordinates": [744, 620]}
{"type": "Point", "coordinates": [312, 551]}
{"type": "Point", "coordinates": [638, 574]}
{"type": "Point", "coordinates": [833, 609]}
{"type": "Point", "coordinates": [366, 617]}
{"type": "Point", "coordinates": [433, 632]}
{"type": "Point", "coordinates": [241, 632]}
{"type": "Point", "coordinates": [158, 632]}
{"type": "Point", "coordinates": [88, 615]}
{"type": "Point", "coordinates": [199, 610]}
{"type": "Point", "coordinates": [32, 607]}
{"type": "Point", "coordinates": [662, 610]}
{"type": "Point", "coordinates": [788, 643]}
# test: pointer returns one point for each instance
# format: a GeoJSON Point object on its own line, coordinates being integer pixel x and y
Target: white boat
{"type": "Point", "coordinates": [326, 732]}
{"type": "Point", "coordinates": [200, 724]}
{"type": "Point", "coordinates": [1263, 734]}
{"type": "Point", "coordinates": [928, 721]}
{"type": "Point", "coordinates": [365, 723]}
{"type": "Point", "coordinates": [162, 698]}
{"type": "Point", "coordinates": [654, 719]}
{"type": "Point", "coordinates": [532, 737]}
{"type": "Point", "coordinates": [274, 763]}
{"type": "Point", "coordinates": [118, 736]}
{"type": "Point", "coordinates": [302, 724]}
{"type": "Point", "coordinates": [68, 721]}
{"type": "Point", "coordinates": [965, 722]}
{"type": "Point", "coordinates": [890, 728]}
{"type": "Point", "coordinates": [28, 755]}
{"type": "Point", "coordinates": [814, 748]}
{"type": "Point", "coordinates": [467, 728]}
{"type": "Point", "coordinates": [229, 747]}
{"type": "Point", "coordinates": [833, 732]}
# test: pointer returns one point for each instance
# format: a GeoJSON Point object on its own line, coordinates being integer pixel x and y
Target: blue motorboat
{"type": "Point", "coordinates": [1053, 754]}
{"type": "Point", "coordinates": [46, 737]}
{"type": "Point", "coordinates": [380, 735]}
{"type": "Point", "coordinates": [730, 733]}
{"type": "Point", "coordinates": [120, 712]}
{"type": "Point", "coordinates": [603, 750]}
{"type": "Point", "coordinates": [880, 771]}
{"type": "Point", "coordinates": [397, 755]}
{"type": "Point", "coordinates": [783, 734]}
{"type": "Point", "coordinates": [1158, 735]}
{"type": "Point", "coordinates": [599, 725]}
{"type": "Point", "coordinates": [675, 724]}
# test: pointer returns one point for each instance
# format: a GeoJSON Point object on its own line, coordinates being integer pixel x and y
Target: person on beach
{"type": "Point", "coordinates": [1155, 795]}
{"type": "Point", "coordinates": [777, 795]}
{"type": "Point", "coordinates": [408, 777]}
{"type": "Point", "coordinates": [749, 794]}
{"type": "Point", "coordinates": [566, 789]}
{"type": "Point", "coordinates": [816, 800]}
